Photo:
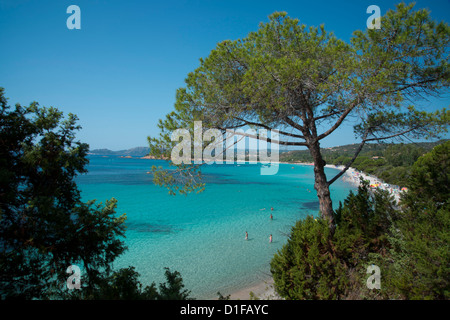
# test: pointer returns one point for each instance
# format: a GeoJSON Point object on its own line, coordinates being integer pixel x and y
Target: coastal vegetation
{"type": "Point", "coordinates": [409, 242]}
{"type": "Point", "coordinates": [306, 83]}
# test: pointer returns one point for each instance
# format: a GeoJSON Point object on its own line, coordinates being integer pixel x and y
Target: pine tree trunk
{"type": "Point", "coordinates": [322, 187]}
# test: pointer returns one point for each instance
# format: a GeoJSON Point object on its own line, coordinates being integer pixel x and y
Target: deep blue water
{"type": "Point", "coordinates": [202, 235]}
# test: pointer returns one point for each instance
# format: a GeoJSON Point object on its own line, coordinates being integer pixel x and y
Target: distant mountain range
{"type": "Point", "coordinates": [133, 152]}
{"type": "Point", "coordinates": [285, 155]}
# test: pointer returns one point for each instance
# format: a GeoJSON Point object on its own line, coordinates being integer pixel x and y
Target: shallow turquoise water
{"type": "Point", "coordinates": [202, 235]}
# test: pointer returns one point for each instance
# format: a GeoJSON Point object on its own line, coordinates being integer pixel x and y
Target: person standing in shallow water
{"type": "Point", "coordinates": [270, 239]}
{"type": "Point", "coordinates": [246, 235]}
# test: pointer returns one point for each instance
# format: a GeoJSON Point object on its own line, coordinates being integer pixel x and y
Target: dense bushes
{"type": "Point", "coordinates": [124, 284]}
{"type": "Point", "coordinates": [314, 264]}
{"type": "Point", "coordinates": [410, 243]}
{"type": "Point", "coordinates": [422, 253]}
{"type": "Point", "coordinates": [308, 266]}
{"type": "Point", "coordinates": [44, 225]}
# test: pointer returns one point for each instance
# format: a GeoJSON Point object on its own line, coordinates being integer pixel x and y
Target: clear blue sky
{"type": "Point", "coordinates": [120, 72]}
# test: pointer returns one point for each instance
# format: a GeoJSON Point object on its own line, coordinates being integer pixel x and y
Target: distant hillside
{"type": "Point", "coordinates": [388, 161]}
{"type": "Point", "coordinates": [369, 150]}
{"type": "Point", "coordinates": [133, 152]}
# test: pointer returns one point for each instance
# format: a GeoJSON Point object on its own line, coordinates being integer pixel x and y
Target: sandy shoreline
{"type": "Point", "coordinates": [262, 291]}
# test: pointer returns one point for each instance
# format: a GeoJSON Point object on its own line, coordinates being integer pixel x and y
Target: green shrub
{"type": "Point", "coordinates": [315, 264]}
{"type": "Point", "coordinates": [410, 244]}
{"type": "Point", "coordinates": [307, 266]}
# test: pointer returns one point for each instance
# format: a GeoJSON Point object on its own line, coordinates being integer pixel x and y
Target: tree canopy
{"type": "Point", "coordinates": [305, 82]}
{"type": "Point", "coordinates": [44, 225]}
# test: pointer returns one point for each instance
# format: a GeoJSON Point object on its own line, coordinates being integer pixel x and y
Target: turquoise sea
{"type": "Point", "coordinates": [202, 235]}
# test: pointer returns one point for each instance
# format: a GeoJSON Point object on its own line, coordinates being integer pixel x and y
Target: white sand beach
{"type": "Point", "coordinates": [353, 176]}
{"type": "Point", "coordinates": [261, 291]}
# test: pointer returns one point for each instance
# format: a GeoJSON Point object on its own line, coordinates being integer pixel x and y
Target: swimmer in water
{"type": "Point", "coordinates": [246, 235]}
{"type": "Point", "coordinates": [270, 239]}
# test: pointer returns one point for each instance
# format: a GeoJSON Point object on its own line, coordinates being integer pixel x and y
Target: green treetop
{"type": "Point", "coordinates": [306, 83]}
